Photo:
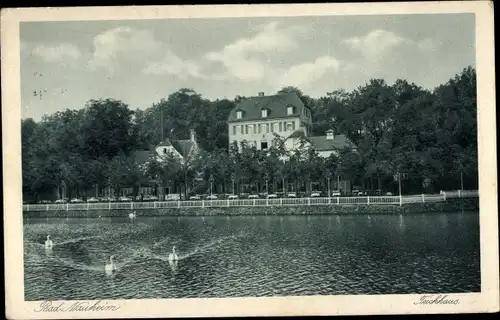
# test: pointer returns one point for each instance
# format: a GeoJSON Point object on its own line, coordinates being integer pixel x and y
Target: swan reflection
{"type": "Point", "coordinates": [173, 265]}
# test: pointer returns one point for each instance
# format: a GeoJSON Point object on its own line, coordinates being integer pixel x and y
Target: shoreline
{"type": "Point", "coordinates": [451, 205]}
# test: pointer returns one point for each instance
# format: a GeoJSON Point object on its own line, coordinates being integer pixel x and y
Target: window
{"type": "Point", "coordinates": [238, 114]}
{"type": "Point", "coordinates": [164, 150]}
{"type": "Point", "coordinates": [289, 126]}
{"type": "Point", "coordinates": [234, 130]}
{"type": "Point", "coordinates": [264, 113]}
{"type": "Point", "coordinates": [293, 125]}
{"type": "Point", "coordinates": [263, 145]}
{"type": "Point", "coordinates": [255, 144]}
{"type": "Point", "coordinates": [246, 129]}
{"type": "Point", "coordinates": [255, 129]}
{"type": "Point", "coordinates": [260, 128]}
{"type": "Point", "coordinates": [267, 127]}
{"type": "Point", "coordinates": [241, 129]}
{"type": "Point", "coordinates": [284, 126]}
{"type": "Point", "coordinates": [272, 127]}
{"type": "Point", "coordinates": [289, 110]}
{"type": "Point", "coordinates": [281, 126]}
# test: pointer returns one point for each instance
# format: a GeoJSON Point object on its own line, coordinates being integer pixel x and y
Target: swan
{"type": "Point", "coordinates": [173, 256]}
{"type": "Point", "coordinates": [110, 267]}
{"type": "Point", "coordinates": [132, 215]}
{"type": "Point", "coordinates": [48, 243]}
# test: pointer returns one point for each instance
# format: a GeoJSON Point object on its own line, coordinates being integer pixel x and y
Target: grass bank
{"type": "Point", "coordinates": [451, 205]}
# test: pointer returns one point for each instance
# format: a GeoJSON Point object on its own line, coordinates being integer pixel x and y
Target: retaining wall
{"type": "Point", "coordinates": [452, 205]}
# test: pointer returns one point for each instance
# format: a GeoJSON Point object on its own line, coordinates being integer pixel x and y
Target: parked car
{"type": "Point", "coordinates": [336, 193]}
{"type": "Point", "coordinates": [292, 195]}
{"type": "Point", "coordinates": [107, 199]}
{"type": "Point", "coordinates": [253, 196]}
{"type": "Point", "coordinates": [150, 198]}
{"type": "Point", "coordinates": [315, 194]}
{"type": "Point", "coordinates": [92, 199]}
{"type": "Point", "coordinates": [388, 194]}
{"type": "Point", "coordinates": [212, 197]}
{"type": "Point", "coordinates": [125, 199]}
{"type": "Point", "coordinates": [76, 200]}
{"type": "Point", "coordinates": [44, 201]}
{"type": "Point", "coordinates": [232, 197]}
{"type": "Point", "coordinates": [61, 201]}
{"type": "Point", "coordinates": [272, 196]}
{"type": "Point", "coordinates": [195, 197]}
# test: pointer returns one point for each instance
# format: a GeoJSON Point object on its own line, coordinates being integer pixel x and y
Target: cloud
{"type": "Point", "coordinates": [172, 64]}
{"type": "Point", "coordinates": [427, 45]}
{"type": "Point", "coordinates": [236, 56]}
{"type": "Point", "coordinates": [58, 53]}
{"type": "Point", "coordinates": [376, 43]}
{"type": "Point", "coordinates": [244, 59]}
{"type": "Point", "coordinates": [304, 74]}
{"type": "Point", "coordinates": [123, 43]}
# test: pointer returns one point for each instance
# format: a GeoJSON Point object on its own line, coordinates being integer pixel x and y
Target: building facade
{"type": "Point", "coordinates": [256, 120]}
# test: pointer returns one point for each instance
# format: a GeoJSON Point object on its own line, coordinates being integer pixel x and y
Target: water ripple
{"type": "Point", "coordinates": [243, 256]}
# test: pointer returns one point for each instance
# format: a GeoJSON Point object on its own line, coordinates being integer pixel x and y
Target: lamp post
{"type": "Point", "coordinates": [266, 177]}
{"type": "Point", "coordinates": [328, 175]}
{"type": "Point", "coordinates": [399, 174]}
{"type": "Point", "coordinates": [211, 183]}
{"type": "Point", "coordinates": [232, 179]}
{"type": "Point", "coordinates": [461, 180]}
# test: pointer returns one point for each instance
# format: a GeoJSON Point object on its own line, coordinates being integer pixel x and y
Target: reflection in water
{"type": "Point", "coordinates": [173, 266]}
{"type": "Point", "coordinates": [252, 256]}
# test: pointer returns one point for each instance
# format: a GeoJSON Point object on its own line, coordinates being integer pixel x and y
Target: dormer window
{"type": "Point", "coordinates": [164, 150]}
{"type": "Point", "coordinates": [239, 114]}
{"type": "Point", "coordinates": [289, 110]}
{"type": "Point", "coordinates": [264, 113]}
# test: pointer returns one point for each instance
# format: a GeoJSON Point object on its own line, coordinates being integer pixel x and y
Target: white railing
{"type": "Point", "coordinates": [368, 200]}
{"type": "Point", "coordinates": [460, 194]}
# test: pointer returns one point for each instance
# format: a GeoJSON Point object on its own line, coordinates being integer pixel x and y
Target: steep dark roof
{"type": "Point", "coordinates": [276, 104]}
{"type": "Point", "coordinates": [183, 146]}
{"type": "Point", "coordinates": [338, 142]}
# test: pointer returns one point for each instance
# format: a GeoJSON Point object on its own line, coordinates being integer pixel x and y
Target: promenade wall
{"type": "Point", "coordinates": [451, 205]}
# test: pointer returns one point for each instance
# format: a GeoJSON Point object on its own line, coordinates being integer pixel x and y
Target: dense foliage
{"type": "Point", "coordinates": [428, 136]}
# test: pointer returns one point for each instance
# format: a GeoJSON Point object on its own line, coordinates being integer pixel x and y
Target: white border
{"type": "Point", "coordinates": [486, 301]}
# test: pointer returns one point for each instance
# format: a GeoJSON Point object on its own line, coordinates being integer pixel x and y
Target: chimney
{"type": "Point", "coordinates": [261, 94]}
{"type": "Point", "coordinates": [193, 135]}
{"type": "Point", "coordinates": [329, 134]}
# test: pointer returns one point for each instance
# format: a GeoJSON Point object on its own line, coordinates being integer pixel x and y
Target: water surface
{"type": "Point", "coordinates": [252, 256]}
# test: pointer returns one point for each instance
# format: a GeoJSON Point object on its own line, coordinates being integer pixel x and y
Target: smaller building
{"type": "Point", "coordinates": [181, 149]}
{"type": "Point", "coordinates": [323, 145]}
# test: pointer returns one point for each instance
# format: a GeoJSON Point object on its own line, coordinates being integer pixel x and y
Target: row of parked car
{"type": "Point", "coordinates": [313, 194]}
{"type": "Point", "coordinates": [101, 199]}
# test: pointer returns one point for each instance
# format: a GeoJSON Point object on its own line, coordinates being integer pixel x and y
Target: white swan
{"type": "Point", "coordinates": [110, 267]}
{"type": "Point", "coordinates": [173, 256]}
{"type": "Point", "coordinates": [48, 243]}
{"type": "Point", "coordinates": [132, 215]}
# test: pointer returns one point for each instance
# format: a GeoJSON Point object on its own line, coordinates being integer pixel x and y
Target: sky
{"type": "Point", "coordinates": [142, 61]}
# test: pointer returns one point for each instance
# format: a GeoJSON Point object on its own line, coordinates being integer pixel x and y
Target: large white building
{"type": "Point", "coordinates": [257, 119]}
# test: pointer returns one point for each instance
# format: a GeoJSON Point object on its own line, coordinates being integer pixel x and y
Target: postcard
{"type": "Point", "coordinates": [249, 160]}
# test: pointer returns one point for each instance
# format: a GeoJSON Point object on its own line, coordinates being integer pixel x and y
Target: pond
{"type": "Point", "coordinates": [252, 256]}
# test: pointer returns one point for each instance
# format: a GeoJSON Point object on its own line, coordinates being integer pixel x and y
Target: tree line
{"type": "Point", "coordinates": [429, 137]}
